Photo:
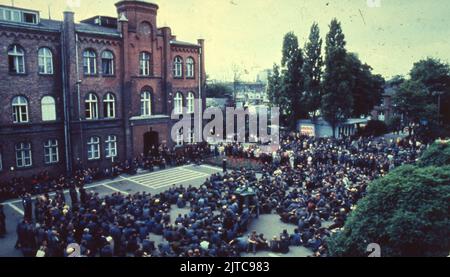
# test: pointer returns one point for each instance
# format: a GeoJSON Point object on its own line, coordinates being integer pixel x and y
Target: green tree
{"type": "Point", "coordinates": [435, 75]}
{"type": "Point", "coordinates": [438, 154]}
{"type": "Point", "coordinates": [218, 90]}
{"type": "Point", "coordinates": [367, 88]}
{"type": "Point", "coordinates": [292, 80]}
{"type": "Point", "coordinates": [337, 100]}
{"type": "Point", "coordinates": [412, 99]}
{"type": "Point", "coordinates": [406, 212]}
{"type": "Point", "coordinates": [274, 87]}
{"type": "Point", "coordinates": [312, 70]}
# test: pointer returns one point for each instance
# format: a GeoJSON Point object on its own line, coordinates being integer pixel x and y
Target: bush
{"type": "Point", "coordinates": [406, 212]}
{"type": "Point", "coordinates": [438, 154]}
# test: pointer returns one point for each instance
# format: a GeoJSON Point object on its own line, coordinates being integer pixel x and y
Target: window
{"type": "Point", "coordinates": [23, 154]}
{"type": "Point", "coordinates": [91, 105]}
{"type": "Point", "coordinates": [89, 62]}
{"type": "Point", "coordinates": [20, 109]}
{"type": "Point", "coordinates": [145, 64]}
{"type": "Point", "coordinates": [18, 16]}
{"type": "Point", "coordinates": [51, 154]}
{"type": "Point", "coordinates": [146, 103]}
{"type": "Point", "coordinates": [45, 61]}
{"type": "Point", "coordinates": [94, 148]}
{"type": "Point", "coordinates": [16, 59]}
{"type": "Point", "coordinates": [191, 135]}
{"type": "Point", "coordinates": [107, 63]}
{"type": "Point", "coordinates": [111, 147]}
{"type": "Point", "coordinates": [179, 137]}
{"type": "Point", "coordinates": [178, 103]}
{"type": "Point", "coordinates": [30, 18]}
{"type": "Point", "coordinates": [190, 67]}
{"type": "Point", "coordinates": [109, 105]}
{"type": "Point", "coordinates": [190, 102]}
{"type": "Point", "coordinates": [48, 108]}
{"type": "Point", "coordinates": [178, 67]}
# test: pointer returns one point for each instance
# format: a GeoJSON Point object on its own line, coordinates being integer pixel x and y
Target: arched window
{"type": "Point", "coordinates": [107, 63]}
{"type": "Point", "coordinates": [145, 64]}
{"type": "Point", "coordinates": [91, 106]}
{"type": "Point", "coordinates": [48, 108]}
{"type": "Point", "coordinates": [93, 148]}
{"type": "Point", "coordinates": [190, 67]}
{"type": "Point", "coordinates": [190, 102]}
{"type": "Point", "coordinates": [16, 59]}
{"type": "Point", "coordinates": [89, 62]}
{"type": "Point", "coordinates": [178, 103]}
{"type": "Point", "coordinates": [20, 109]}
{"type": "Point", "coordinates": [178, 67]}
{"type": "Point", "coordinates": [45, 61]}
{"type": "Point", "coordinates": [109, 105]}
{"type": "Point", "coordinates": [111, 147]}
{"type": "Point", "coordinates": [23, 154]}
{"type": "Point", "coordinates": [146, 103]}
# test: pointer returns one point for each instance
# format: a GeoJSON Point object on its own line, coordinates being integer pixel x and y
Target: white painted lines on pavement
{"type": "Point", "coordinates": [115, 189]}
{"type": "Point", "coordinates": [14, 207]}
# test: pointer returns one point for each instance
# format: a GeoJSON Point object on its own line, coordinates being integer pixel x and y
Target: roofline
{"type": "Point", "coordinates": [29, 27]}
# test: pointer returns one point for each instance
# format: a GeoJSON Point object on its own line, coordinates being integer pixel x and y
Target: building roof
{"type": "Point", "coordinates": [95, 29]}
{"type": "Point", "coordinates": [44, 25]}
{"type": "Point", "coordinates": [182, 43]}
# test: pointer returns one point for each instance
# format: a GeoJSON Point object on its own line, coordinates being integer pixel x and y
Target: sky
{"type": "Point", "coordinates": [389, 35]}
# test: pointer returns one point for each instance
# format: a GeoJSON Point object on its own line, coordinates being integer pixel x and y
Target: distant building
{"type": "Point", "coordinates": [321, 128]}
{"type": "Point", "coordinates": [263, 76]}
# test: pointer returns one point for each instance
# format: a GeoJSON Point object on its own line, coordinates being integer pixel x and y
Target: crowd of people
{"type": "Point", "coordinates": [311, 183]}
{"type": "Point", "coordinates": [157, 157]}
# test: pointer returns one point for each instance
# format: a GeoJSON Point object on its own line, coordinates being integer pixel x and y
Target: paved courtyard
{"type": "Point", "coordinates": [154, 182]}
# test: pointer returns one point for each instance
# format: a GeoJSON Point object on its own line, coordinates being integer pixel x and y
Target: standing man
{"type": "Point", "coordinates": [27, 204]}
{"type": "Point", "coordinates": [2, 222]}
{"type": "Point", "coordinates": [224, 165]}
{"type": "Point", "coordinates": [73, 195]}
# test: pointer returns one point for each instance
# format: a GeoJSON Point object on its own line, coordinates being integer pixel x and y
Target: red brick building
{"type": "Point", "coordinates": [95, 91]}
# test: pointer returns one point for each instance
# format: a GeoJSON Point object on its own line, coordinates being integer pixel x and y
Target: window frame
{"type": "Point", "coordinates": [93, 147]}
{"type": "Point", "coordinates": [190, 68]}
{"type": "Point", "coordinates": [178, 67]}
{"type": "Point", "coordinates": [17, 54]}
{"type": "Point", "coordinates": [89, 62]}
{"type": "Point", "coordinates": [90, 104]}
{"type": "Point", "coordinates": [178, 103]}
{"type": "Point", "coordinates": [145, 64]}
{"type": "Point", "coordinates": [44, 57]}
{"type": "Point", "coordinates": [20, 113]}
{"type": "Point", "coordinates": [25, 147]}
{"type": "Point", "coordinates": [146, 103]}
{"type": "Point", "coordinates": [109, 106]}
{"type": "Point", "coordinates": [111, 146]}
{"type": "Point", "coordinates": [190, 99]}
{"type": "Point", "coordinates": [52, 157]}
{"type": "Point", "coordinates": [110, 62]}
{"type": "Point", "coordinates": [54, 118]}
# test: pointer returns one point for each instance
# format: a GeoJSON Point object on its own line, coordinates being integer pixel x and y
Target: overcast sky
{"type": "Point", "coordinates": [248, 33]}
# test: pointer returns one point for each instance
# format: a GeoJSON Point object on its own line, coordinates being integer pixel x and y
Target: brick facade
{"type": "Point", "coordinates": [135, 31]}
